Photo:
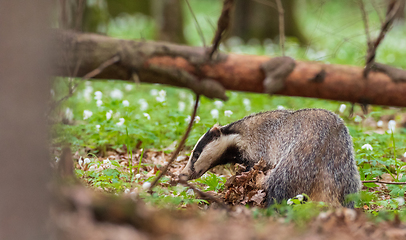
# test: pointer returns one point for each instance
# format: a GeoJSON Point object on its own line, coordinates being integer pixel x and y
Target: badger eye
{"type": "Point", "coordinates": [197, 155]}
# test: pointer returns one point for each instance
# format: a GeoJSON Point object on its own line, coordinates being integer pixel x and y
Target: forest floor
{"type": "Point", "coordinates": [83, 211]}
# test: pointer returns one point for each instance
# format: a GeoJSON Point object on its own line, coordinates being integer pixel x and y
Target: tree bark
{"type": "Point", "coordinates": [169, 18]}
{"type": "Point", "coordinates": [256, 19]}
{"type": "Point", "coordinates": [157, 62]}
{"type": "Point", "coordinates": [25, 84]}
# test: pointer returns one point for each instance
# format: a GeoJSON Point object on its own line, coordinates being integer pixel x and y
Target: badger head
{"type": "Point", "coordinates": [214, 148]}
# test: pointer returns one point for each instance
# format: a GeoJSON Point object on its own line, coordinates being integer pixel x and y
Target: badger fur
{"type": "Point", "coordinates": [310, 151]}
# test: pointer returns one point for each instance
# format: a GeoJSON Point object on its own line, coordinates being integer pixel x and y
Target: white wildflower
{"type": "Point", "coordinates": [247, 104]}
{"type": "Point", "coordinates": [190, 192]}
{"type": "Point", "coordinates": [57, 159]}
{"type": "Point", "coordinates": [98, 127]}
{"type": "Point", "coordinates": [107, 162]}
{"type": "Point", "coordinates": [143, 104]}
{"type": "Point", "coordinates": [300, 197]}
{"type": "Point", "coordinates": [358, 119]}
{"type": "Point", "coordinates": [86, 161]}
{"type": "Point", "coordinates": [109, 114]}
{"type": "Point", "coordinates": [153, 92]}
{"type": "Point", "coordinates": [228, 113]}
{"type": "Point", "coordinates": [137, 175]}
{"type": "Point", "coordinates": [400, 200]}
{"type": "Point", "coordinates": [161, 96]}
{"type": "Point", "coordinates": [289, 202]}
{"type": "Point", "coordinates": [116, 94]}
{"type": "Point", "coordinates": [147, 116]}
{"type": "Point", "coordinates": [342, 108]}
{"type": "Point", "coordinates": [379, 123]}
{"type": "Point", "coordinates": [127, 191]}
{"type": "Point", "coordinates": [214, 113]}
{"type": "Point", "coordinates": [68, 114]}
{"type": "Point", "coordinates": [98, 95]}
{"type": "Point", "coordinates": [128, 87]}
{"type": "Point", "coordinates": [404, 154]}
{"type": "Point", "coordinates": [181, 106]}
{"type": "Point", "coordinates": [197, 119]}
{"type": "Point", "coordinates": [92, 168]}
{"type": "Point", "coordinates": [99, 103]}
{"type": "Point", "coordinates": [367, 147]}
{"type": "Point", "coordinates": [126, 103]}
{"type": "Point", "coordinates": [120, 122]}
{"type": "Point", "coordinates": [87, 114]}
{"type": "Point", "coordinates": [218, 104]}
{"type": "Point", "coordinates": [146, 185]}
{"type": "Point", "coordinates": [87, 93]}
{"type": "Point", "coordinates": [80, 161]}
{"type": "Point", "coordinates": [280, 107]}
{"type": "Point", "coordinates": [391, 126]}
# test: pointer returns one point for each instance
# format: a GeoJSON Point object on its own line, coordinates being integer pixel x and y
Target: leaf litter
{"type": "Point", "coordinates": [97, 215]}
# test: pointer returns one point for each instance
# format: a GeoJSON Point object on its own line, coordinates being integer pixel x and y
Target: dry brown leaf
{"type": "Point", "coordinates": [259, 197]}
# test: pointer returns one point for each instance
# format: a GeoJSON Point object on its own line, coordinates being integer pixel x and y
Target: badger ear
{"type": "Point", "coordinates": [216, 130]}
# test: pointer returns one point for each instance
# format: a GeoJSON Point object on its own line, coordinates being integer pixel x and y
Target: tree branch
{"type": "Point", "coordinates": [373, 46]}
{"type": "Point", "coordinates": [87, 76]}
{"type": "Point", "coordinates": [180, 146]}
{"type": "Point", "coordinates": [384, 182]}
{"type": "Point", "coordinates": [229, 71]}
{"type": "Point", "coordinates": [222, 25]}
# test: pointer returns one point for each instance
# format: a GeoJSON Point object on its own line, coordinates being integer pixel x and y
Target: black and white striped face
{"type": "Point", "coordinates": [207, 152]}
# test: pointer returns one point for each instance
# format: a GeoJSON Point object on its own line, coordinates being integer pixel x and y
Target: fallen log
{"type": "Point", "coordinates": [186, 66]}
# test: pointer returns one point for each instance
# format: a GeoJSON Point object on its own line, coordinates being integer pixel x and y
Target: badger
{"type": "Point", "coordinates": [308, 151]}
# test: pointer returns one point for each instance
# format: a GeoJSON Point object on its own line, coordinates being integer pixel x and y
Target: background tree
{"type": "Point", "coordinates": [259, 19]}
{"type": "Point", "coordinates": [169, 20]}
{"type": "Point", "coordinates": [94, 16]}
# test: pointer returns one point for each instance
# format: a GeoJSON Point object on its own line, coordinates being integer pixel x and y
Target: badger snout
{"type": "Point", "coordinates": [183, 177]}
{"type": "Point", "coordinates": [186, 173]}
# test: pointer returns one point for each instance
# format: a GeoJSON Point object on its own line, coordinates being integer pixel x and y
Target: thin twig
{"type": "Point", "coordinates": [365, 20]}
{"type": "Point", "coordinates": [390, 17]}
{"type": "Point", "coordinates": [222, 25]}
{"type": "Point", "coordinates": [205, 195]}
{"type": "Point", "coordinates": [281, 13]}
{"type": "Point", "coordinates": [199, 30]}
{"type": "Point", "coordinates": [180, 146]}
{"type": "Point", "coordinates": [384, 182]}
{"type": "Point", "coordinates": [89, 75]}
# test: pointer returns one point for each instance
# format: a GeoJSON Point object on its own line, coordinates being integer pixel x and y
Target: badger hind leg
{"type": "Point", "coordinates": [323, 169]}
{"type": "Point", "coordinates": [343, 168]}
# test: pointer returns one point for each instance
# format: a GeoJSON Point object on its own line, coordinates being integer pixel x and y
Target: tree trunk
{"type": "Point", "coordinates": [185, 66]}
{"type": "Point", "coordinates": [169, 20]}
{"type": "Point", "coordinates": [83, 16]}
{"type": "Point", "coordinates": [256, 20]}
{"type": "Point", "coordinates": [25, 85]}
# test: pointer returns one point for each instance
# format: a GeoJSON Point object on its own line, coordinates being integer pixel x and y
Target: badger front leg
{"type": "Point", "coordinates": [276, 70]}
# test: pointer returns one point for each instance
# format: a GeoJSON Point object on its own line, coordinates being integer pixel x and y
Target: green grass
{"type": "Point", "coordinates": [154, 121]}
